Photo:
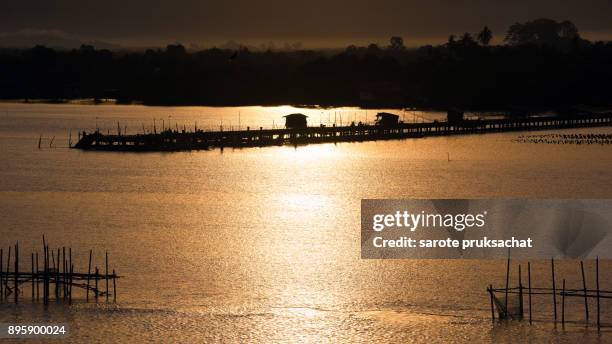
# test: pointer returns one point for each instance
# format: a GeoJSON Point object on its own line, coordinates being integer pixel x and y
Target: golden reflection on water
{"type": "Point", "coordinates": [252, 245]}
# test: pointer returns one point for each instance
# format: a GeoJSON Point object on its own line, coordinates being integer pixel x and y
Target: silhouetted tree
{"type": "Point", "coordinates": [175, 50]}
{"type": "Point", "coordinates": [542, 32]}
{"type": "Point", "coordinates": [458, 73]}
{"type": "Point", "coordinates": [485, 36]}
{"type": "Point", "coordinates": [373, 48]}
{"type": "Point", "coordinates": [567, 30]}
{"type": "Point", "coordinates": [397, 43]}
{"type": "Point", "coordinates": [467, 40]}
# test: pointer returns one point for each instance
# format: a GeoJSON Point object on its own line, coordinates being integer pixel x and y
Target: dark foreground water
{"type": "Point", "coordinates": [262, 245]}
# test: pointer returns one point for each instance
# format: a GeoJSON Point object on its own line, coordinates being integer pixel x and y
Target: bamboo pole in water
{"type": "Point", "coordinates": [529, 282]}
{"type": "Point", "coordinates": [507, 284]}
{"type": "Point", "coordinates": [563, 305]}
{"type": "Point", "coordinates": [70, 285]}
{"type": "Point", "coordinates": [63, 275]}
{"type": "Point", "coordinates": [597, 286]}
{"type": "Point", "coordinates": [1, 275]}
{"type": "Point", "coordinates": [114, 286]}
{"type": "Point", "coordinates": [47, 274]}
{"type": "Point", "coordinates": [47, 277]}
{"type": "Point", "coordinates": [57, 276]}
{"type": "Point", "coordinates": [554, 293]}
{"type": "Point", "coordinates": [88, 274]}
{"type": "Point", "coordinates": [71, 272]}
{"type": "Point", "coordinates": [96, 279]}
{"type": "Point", "coordinates": [33, 278]}
{"type": "Point", "coordinates": [492, 306]}
{"type": "Point", "coordinates": [37, 279]}
{"type": "Point", "coordinates": [8, 269]}
{"type": "Point", "coordinates": [16, 291]}
{"type": "Point", "coordinates": [584, 288]}
{"type": "Point", "coordinates": [45, 258]}
{"type": "Point", "coordinates": [106, 277]}
{"type": "Point", "coordinates": [520, 292]}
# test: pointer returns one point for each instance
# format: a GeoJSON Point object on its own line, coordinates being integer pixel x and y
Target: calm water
{"type": "Point", "coordinates": [262, 244]}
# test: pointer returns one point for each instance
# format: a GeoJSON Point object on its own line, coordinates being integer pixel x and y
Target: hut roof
{"type": "Point", "coordinates": [387, 115]}
{"type": "Point", "coordinates": [295, 115]}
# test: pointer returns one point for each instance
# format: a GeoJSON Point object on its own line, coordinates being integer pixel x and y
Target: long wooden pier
{"type": "Point", "coordinates": [55, 277]}
{"type": "Point", "coordinates": [175, 140]}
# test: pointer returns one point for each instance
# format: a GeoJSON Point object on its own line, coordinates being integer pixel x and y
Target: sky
{"type": "Point", "coordinates": [314, 23]}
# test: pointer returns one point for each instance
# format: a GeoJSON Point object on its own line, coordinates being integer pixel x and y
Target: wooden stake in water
{"type": "Point", "coordinates": [507, 284]}
{"type": "Point", "coordinates": [37, 279]}
{"type": "Point", "coordinates": [563, 305]}
{"type": "Point", "coordinates": [57, 275]}
{"type": "Point", "coordinates": [114, 286]}
{"type": "Point", "coordinates": [33, 278]}
{"type": "Point", "coordinates": [1, 275]}
{"type": "Point", "coordinates": [529, 283]}
{"type": "Point", "coordinates": [520, 292]}
{"type": "Point", "coordinates": [88, 274]}
{"type": "Point", "coordinates": [554, 293]}
{"type": "Point", "coordinates": [8, 269]}
{"type": "Point", "coordinates": [584, 289]}
{"type": "Point", "coordinates": [71, 271]}
{"type": "Point", "coordinates": [96, 279]}
{"type": "Point", "coordinates": [44, 271]}
{"type": "Point", "coordinates": [597, 286]}
{"type": "Point", "coordinates": [16, 291]}
{"type": "Point", "coordinates": [63, 286]}
{"type": "Point", "coordinates": [106, 277]}
{"type": "Point", "coordinates": [490, 290]}
{"type": "Point", "coordinates": [70, 285]}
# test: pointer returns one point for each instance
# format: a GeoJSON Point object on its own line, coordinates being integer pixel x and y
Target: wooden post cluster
{"type": "Point", "coordinates": [58, 272]}
{"type": "Point", "coordinates": [564, 292]}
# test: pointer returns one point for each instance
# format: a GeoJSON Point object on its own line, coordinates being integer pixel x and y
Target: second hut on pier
{"type": "Point", "coordinates": [295, 121]}
{"type": "Point", "coordinates": [386, 119]}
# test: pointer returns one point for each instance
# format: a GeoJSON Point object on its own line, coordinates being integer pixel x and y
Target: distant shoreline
{"type": "Point", "coordinates": [101, 102]}
{"type": "Point", "coordinates": [92, 101]}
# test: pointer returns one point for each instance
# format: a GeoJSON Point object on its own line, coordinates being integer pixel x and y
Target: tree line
{"type": "Point", "coordinates": [540, 64]}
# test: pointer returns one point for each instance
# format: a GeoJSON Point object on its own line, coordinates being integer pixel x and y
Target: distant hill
{"type": "Point", "coordinates": [50, 38]}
